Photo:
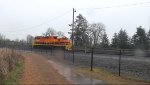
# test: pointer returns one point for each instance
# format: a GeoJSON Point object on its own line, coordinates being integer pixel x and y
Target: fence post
{"type": "Point", "coordinates": [31, 47]}
{"type": "Point", "coordinates": [92, 60]}
{"type": "Point", "coordinates": [46, 50]}
{"type": "Point", "coordinates": [64, 53]}
{"type": "Point", "coordinates": [120, 61]}
{"type": "Point", "coordinates": [73, 54]}
{"type": "Point", "coordinates": [41, 49]}
{"type": "Point", "coordinates": [23, 46]}
{"type": "Point", "coordinates": [51, 51]}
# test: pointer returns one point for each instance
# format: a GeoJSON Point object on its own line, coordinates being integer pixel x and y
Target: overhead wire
{"type": "Point", "coordinates": [53, 19]}
{"type": "Point", "coordinates": [117, 6]}
{"type": "Point", "coordinates": [29, 28]}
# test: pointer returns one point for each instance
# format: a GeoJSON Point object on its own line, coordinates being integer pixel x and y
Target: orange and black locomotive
{"type": "Point", "coordinates": [51, 41]}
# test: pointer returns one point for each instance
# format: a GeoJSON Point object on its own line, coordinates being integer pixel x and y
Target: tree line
{"type": "Point", "coordinates": [94, 35]}
{"type": "Point", "coordinates": [5, 42]}
{"type": "Point", "coordinates": [29, 38]}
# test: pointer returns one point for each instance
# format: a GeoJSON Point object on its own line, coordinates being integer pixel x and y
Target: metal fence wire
{"type": "Point", "coordinates": [129, 63]}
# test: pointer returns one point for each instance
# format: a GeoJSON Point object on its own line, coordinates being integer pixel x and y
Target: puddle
{"type": "Point", "coordinates": [67, 72]}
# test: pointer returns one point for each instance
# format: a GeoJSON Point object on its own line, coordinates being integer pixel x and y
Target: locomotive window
{"type": "Point", "coordinates": [37, 38]}
{"type": "Point", "coordinates": [64, 38]}
{"type": "Point", "coordinates": [46, 37]}
{"type": "Point", "coordinates": [55, 37]}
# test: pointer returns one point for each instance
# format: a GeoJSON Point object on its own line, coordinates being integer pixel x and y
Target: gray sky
{"type": "Point", "coordinates": [21, 17]}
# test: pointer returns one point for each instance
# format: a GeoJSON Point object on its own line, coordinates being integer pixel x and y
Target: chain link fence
{"type": "Point", "coordinates": [129, 63]}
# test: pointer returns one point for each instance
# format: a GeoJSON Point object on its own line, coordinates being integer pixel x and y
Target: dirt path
{"type": "Point", "coordinates": [39, 71]}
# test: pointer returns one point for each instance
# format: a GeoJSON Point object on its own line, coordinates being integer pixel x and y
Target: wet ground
{"type": "Point", "coordinates": [77, 78]}
{"type": "Point", "coordinates": [68, 70]}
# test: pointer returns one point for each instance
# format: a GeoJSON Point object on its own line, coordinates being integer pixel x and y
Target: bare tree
{"type": "Point", "coordinates": [2, 39]}
{"type": "Point", "coordinates": [29, 39]}
{"type": "Point", "coordinates": [50, 32]}
{"type": "Point", "coordinates": [96, 32]}
{"type": "Point", "coordinates": [60, 34]}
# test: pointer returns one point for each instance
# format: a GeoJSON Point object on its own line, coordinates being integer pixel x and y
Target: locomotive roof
{"type": "Point", "coordinates": [49, 36]}
{"type": "Point", "coordinates": [46, 36]}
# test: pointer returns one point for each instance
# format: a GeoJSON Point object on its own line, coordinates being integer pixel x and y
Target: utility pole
{"type": "Point", "coordinates": [120, 61]}
{"type": "Point", "coordinates": [92, 59]}
{"type": "Point", "coordinates": [73, 35]}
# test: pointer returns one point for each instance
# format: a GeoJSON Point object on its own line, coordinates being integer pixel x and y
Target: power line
{"type": "Point", "coordinates": [53, 19]}
{"type": "Point", "coordinates": [77, 9]}
{"type": "Point", "coordinates": [117, 6]}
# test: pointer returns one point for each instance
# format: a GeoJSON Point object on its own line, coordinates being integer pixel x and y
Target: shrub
{"type": "Point", "coordinates": [8, 61]}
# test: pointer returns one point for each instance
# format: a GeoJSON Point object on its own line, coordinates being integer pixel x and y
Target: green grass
{"type": "Point", "coordinates": [13, 76]}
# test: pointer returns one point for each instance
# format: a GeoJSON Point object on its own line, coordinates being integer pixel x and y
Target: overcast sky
{"type": "Point", "coordinates": [18, 18]}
